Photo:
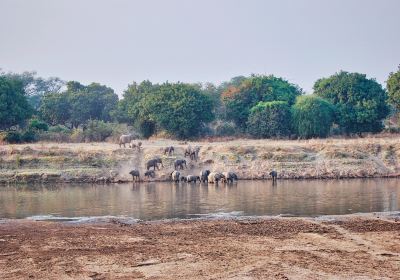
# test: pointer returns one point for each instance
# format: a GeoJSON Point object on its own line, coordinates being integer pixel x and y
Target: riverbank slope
{"type": "Point", "coordinates": [347, 247]}
{"type": "Point", "coordinates": [250, 159]}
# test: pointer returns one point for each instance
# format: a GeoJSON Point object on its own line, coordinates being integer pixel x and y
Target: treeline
{"type": "Point", "coordinates": [33, 108]}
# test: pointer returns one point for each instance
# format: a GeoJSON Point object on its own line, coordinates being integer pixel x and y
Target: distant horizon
{"type": "Point", "coordinates": [119, 42]}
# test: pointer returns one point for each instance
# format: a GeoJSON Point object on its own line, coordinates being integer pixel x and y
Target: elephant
{"type": "Point", "coordinates": [154, 163]}
{"type": "Point", "coordinates": [183, 179]}
{"type": "Point", "coordinates": [135, 174]}
{"type": "Point", "coordinates": [169, 150]}
{"type": "Point", "coordinates": [192, 178]}
{"type": "Point", "coordinates": [188, 151]}
{"type": "Point", "coordinates": [175, 176]}
{"type": "Point", "coordinates": [125, 139]}
{"type": "Point", "coordinates": [179, 163]}
{"type": "Point", "coordinates": [274, 175]}
{"type": "Point", "coordinates": [230, 177]}
{"type": "Point", "coordinates": [150, 174]}
{"type": "Point", "coordinates": [214, 177]}
{"type": "Point", "coordinates": [194, 153]}
{"type": "Point", "coordinates": [204, 175]}
{"type": "Point", "coordinates": [137, 146]}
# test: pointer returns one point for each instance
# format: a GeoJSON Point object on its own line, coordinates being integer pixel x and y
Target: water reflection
{"type": "Point", "coordinates": [171, 200]}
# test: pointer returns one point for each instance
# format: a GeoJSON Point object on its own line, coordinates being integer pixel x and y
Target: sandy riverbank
{"type": "Point", "coordinates": [347, 247]}
{"type": "Point", "coordinates": [250, 159]}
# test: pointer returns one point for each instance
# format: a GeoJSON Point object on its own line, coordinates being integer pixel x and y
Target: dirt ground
{"type": "Point", "coordinates": [355, 247]}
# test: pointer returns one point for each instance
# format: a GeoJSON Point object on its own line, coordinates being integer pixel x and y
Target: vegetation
{"type": "Point", "coordinates": [360, 102]}
{"type": "Point", "coordinates": [33, 108]}
{"type": "Point", "coordinates": [312, 116]}
{"type": "Point", "coordinates": [269, 119]}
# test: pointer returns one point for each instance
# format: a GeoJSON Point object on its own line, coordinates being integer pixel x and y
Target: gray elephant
{"type": "Point", "coordinates": [230, 177]}
{"type": "Point", "coordinates": [175, 176]}
{"type": "Point", "coordinates": [169, 150]}
{"type": "Point", "coordinates": [154, 163]}
{"type": "Point", "coordinates": [125, 139]}
{"type": "Point", "coordinates": [204, 175]}
{"type": "Point", "coordinates": [274, 175]}
{"type": "Point", "coordinates": [180, 163]}
{"type": "Point", "coordinates": [192, 178]}
{"type": "Point", "coordinates": [183, 179]}
{"type": "Point", "coordinates": [135, 146]}
{"type": "Point", "coordinates": [150, 174]}
{"type": "Point", "coordinates": [214, 177]}
{"type": "Point", "coordinates": [135, 175]}
{"type": "Point", "coordinates": [188, 151]}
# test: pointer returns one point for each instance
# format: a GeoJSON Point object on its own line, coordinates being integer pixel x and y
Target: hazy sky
{"type": "Point", "coordinates": [117, 42]}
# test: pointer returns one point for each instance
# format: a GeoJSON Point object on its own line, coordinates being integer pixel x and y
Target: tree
{"type": "Point", "coordinates": [14, 107]}
{"type": "Point", "coordinates": [56, 109]}
{"type": "Point", "coordinates": [360, 102]}
{"type": "Point", "coordinates": [240, 99]}
{"type": "Point", "coordinates": [181, 109]}
{"type": "Point", "coordinates": [393, 87]}
{"type": "Point", "coordinates": [269, 119]}
{"type": "Point", "coordinates": [312, 116]}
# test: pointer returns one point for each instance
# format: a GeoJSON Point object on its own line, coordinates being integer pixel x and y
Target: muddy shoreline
{"type": "Point", "coordinates": [355, 246]}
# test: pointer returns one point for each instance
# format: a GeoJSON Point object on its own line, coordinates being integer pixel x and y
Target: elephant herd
{"type": "Point", "coordinates": [205, 176]}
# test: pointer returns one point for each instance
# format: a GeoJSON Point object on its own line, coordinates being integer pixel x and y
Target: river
{"type": "Point", "coordinates": [155, 201]}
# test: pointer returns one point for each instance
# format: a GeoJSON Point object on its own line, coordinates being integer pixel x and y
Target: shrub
{"type": "Point", "coordinates": [312, 116]}
{"type": "Point", "coordinates": [36, 124]}
{"type": "Point", "coordinates": [97, 130]}
{"type": "Point", "coordinates": [225, 129]}
{"type": "Point", "coordinates": [29, 136]}
{"type": "Point", "coordinates": [269, 119]}
{"type": "Point", "coordinates": [13, 137]}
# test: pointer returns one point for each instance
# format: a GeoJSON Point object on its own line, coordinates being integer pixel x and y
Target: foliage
{"type": "Point", "coordinates": [14, 107]}
{"type": "Point", "coordinates": [393, 88]}
{"type": "Point", "coordinates": [97, 131]}
{"type": "Point", "coordinates": [78, 104]}
{"type": "Point", "coordinates": [36, 124]}
{"type": "Point", "coordinates": [312, 116]}
{"type": "Point", "coordinates": [225, 129]}
{"type": "Point", "coordinates": [269, 119]}
{"type": "Point", "coordinates": [360, 102]}
{"type": "Point", "coordinates": [13, 137]}
{"type": "Point", "coordinates": [240, 99]}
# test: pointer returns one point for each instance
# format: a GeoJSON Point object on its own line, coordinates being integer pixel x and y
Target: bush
{"type": "Point", "coordinates": [29, 136]}
{"type": "Point", "coordinates": [36, 124]}
{"type": "Point", "coordinates": [13, 137]}
{"type": "Point", "coordinates": [97, 131]}
{"type": "Point", "coordinates": [269, 119]}
{"type": "Point", "coordinates": [58, 133]}
{"type": "Point", "coordinates": [312, 116]}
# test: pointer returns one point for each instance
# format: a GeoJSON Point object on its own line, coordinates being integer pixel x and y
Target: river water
{"type": "Point", "coordinates": [154, 201]}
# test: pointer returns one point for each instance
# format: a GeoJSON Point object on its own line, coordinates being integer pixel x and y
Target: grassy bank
{"type": "Point", "coordinates": [250, 159]}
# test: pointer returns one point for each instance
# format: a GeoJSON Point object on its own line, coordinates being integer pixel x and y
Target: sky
{"type": "Point", "coordinates": [121, 41]}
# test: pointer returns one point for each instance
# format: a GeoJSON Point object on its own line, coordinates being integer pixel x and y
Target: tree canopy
{"type": "Point", "coordinates": [250, 91]}
{"type": "Point", "coordinates": [360, 102]}
{"type": "Point", "coordinates": [14, 107]}
{"type": "Point", "coordinates": [393, 87]}
{"type": "Point", "coordinates": [312, 116]}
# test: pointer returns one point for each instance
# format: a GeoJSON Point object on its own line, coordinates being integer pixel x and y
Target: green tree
{"type": "Point", "coordinates": [393, 87]}
{"type": "Point", "coordinates": [269, 119]}
{"type": "Point", "coordinates": [55, 109]}
{"type": "Point", "coordinates": [180, 109]}
{"type": "Point", "coordinates": [312, 116]}
{"type": "Point", "coordinates": [14, 107]}
{"type": "Point", "coordinates": [240, 99]}
{"type": "Point", "coordinates": [360, 102]}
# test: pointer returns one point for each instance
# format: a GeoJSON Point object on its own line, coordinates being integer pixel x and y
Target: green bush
{"type": "Point", "coordinates": [312, 116]}
{"type": "Point", "coordinates": [29, 136]}
{"type": "Point", "coordinates": [97, 131]}
{"type": "Point", "coordinates": [269, 119]}
{"type": "Point", "coordinates": [13, 137]}
{"type": "Point", "coordinates": [38, 125]}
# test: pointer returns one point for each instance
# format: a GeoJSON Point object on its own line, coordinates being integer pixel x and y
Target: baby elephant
{"type": "Point", "coordinates": [274, 175]}
{"type": "Point", "coordinates": [135, 175]}
{"type": "Point", "coordinates": [192, 178]}
{"type": "Point", "coordinates": [230, 177]}
{"type": "Point", "coordinates": [179, 163]}
{"type": "Point", "coordinates": [183, 179]}
{"type": "Point", "coordinates": [169, 150]}
{"type": "Point", "coordinates": [175, 176]}
{"type": "Point", "coordinates": [150, 174]}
